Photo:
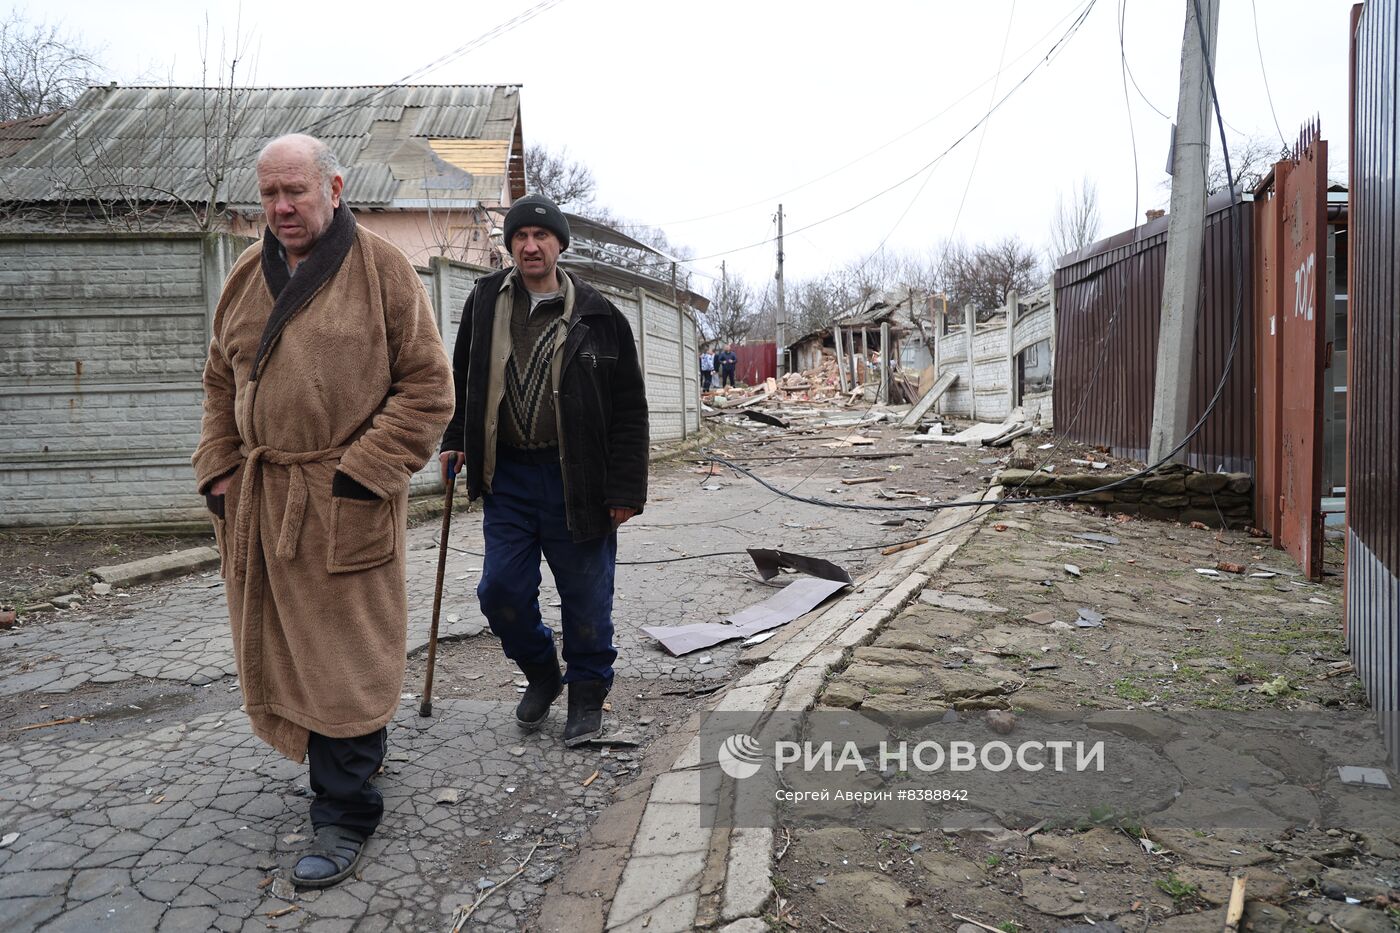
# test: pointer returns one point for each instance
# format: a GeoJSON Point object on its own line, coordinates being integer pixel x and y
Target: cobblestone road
{"type": "Point", "coordinates": [187, 824]}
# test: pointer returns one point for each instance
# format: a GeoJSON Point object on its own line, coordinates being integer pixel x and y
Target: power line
{"type": "Point", "coordinates": [977, 157]}
{"type": "Point", "coordinates": [883, 146]}
{"type": "Point", "coordinates": [1237, 252]}
{"type": "Point", "coordinates": [499, 30]}
{"type": "Point", "coordinates": [1267, 93]}
{"type": "Point", "coordinates": [1128, 69]}
{"type": "Point", "coordinates": [1074, 27]}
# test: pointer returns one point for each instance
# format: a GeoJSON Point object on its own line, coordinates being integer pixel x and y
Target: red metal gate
{"type": "Point", "coordinates": [1291, 227]}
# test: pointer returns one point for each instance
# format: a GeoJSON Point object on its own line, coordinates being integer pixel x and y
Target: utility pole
{"type": "Point", "coordinates": [723, 291]}
{"type": "Point", "coordinates": [1176, 340]}
{"type": "Point", "coordinates": [782, 306]}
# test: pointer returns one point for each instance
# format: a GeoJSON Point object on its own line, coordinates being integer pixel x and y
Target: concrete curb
{"type": "Point", "coordinates": [160, 567]}
{"type": "Point", "coordinates": [662, 885]}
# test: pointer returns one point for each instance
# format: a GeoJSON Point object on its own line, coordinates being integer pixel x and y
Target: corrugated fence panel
{"type": "Point", "coordinates": [1108, 297]}
{"type": "Point", "coordinates": [1373, 387]}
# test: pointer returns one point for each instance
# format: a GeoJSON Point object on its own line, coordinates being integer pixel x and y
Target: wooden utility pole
{"type": "Point", "coordinates": [782, 305]}
{"type": "Point", "coordinates": [1176, 340]}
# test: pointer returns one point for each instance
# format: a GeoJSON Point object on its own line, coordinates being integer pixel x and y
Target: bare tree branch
{"type": "Point", "coordinates": [1076, 221]}
{"type": "Point", "coordinates": [41, 68]}
{"type": "Point", "coordinates": [568, 183]}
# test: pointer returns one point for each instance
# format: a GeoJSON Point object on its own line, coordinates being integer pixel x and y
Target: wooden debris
{"type": "Point", "coordinates": [465, 912]}
{"type": "Point", "coordinates": [590, 779]}
{"type": "Point", "coordinates": [861, 480]}
{"type": "Point", "coordinates": [976, 923]}
{"type": "Point", "coordinates": [1235, 913]}
{"type": "Point", "coordinates": [65, 721]}
{"type": "Point", "coordinates": [282, 911]}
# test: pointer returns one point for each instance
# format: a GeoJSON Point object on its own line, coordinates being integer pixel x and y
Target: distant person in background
{"type": "Point", "coordinates": [726, 360]}
{"type": "Point", "coordinates": [707, 369]}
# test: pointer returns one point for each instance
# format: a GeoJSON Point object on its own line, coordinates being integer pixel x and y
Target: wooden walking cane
{"type": "Point", "coordinates": [425, 708]}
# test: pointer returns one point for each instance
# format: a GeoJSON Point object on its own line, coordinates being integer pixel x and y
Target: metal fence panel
{"type": "Point", "coordinates": [1373, 386]}
{"type": "Point", "coordinates": [1108, 300]}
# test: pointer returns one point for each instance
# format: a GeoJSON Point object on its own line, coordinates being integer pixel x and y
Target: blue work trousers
{"type": "Point", "coordinates": [524, 517]}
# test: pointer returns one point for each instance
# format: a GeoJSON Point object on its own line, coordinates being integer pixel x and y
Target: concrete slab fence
{"type": "Point", "coordinates": [102, 344]}
{"type": "Point", "coordinates": [1002, 362]}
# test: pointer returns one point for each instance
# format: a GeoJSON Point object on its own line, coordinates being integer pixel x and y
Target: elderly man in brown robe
{"type": "Point", "coordinates": [326, 388]}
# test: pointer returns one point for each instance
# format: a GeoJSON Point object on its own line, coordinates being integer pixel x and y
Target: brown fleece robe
{"type": "Point", "coordinates": [355, 379]}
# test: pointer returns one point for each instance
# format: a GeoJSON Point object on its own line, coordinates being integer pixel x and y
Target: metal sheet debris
{"type": "Point", "coordinates": [1088, 618]}
{"type": "Point", "coordinates": [796, 599]}
{"type": "Point", "coordinates": [769, 562]}
{"type": "Point", "coordinates": [1102, 539]}
{"type": "Point", "coordinates": [1368, 777]}
{"type": "Point", "coordinates": [764, 418]}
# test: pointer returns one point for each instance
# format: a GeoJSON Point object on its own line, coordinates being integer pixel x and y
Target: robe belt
{"type": "Point", "coordinates": [295, 509]}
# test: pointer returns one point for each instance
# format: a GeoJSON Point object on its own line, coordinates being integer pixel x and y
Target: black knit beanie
{"type": "Point", "coordinates": [536, 210]}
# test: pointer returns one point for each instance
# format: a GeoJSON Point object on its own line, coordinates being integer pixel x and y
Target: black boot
{"type": "Point", "coordinates": [545, 683]}
{"type": "Point", "coordinates": [585, 711]}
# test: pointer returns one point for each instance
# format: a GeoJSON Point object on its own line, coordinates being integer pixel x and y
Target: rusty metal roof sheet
{"type": "Point", "coordinates": [149, 143]}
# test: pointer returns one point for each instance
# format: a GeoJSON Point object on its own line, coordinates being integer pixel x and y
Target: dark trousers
{"type": "Point", "coordinates": [727, 379]}
{"type": "Point", "coordinates": [341, 770]}
{"type": "Point", "coordinates": [523, 518]}
{"type": "Point", "coordinates": [705, 376]}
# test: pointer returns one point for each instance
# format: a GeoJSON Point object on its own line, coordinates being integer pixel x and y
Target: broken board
{"type": "Point", "coordinates": [944, 383]}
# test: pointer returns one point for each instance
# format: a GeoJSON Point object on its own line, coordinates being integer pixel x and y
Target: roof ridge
{"type": "Point", "coordinates": [282, 87]}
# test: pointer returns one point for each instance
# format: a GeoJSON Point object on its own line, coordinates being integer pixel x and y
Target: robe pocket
{"type": "Point", "coordinates": [364, 534]}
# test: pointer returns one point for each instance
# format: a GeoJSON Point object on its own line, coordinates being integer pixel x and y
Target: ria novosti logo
{"type": "Point", "coordinates": [740, 756]}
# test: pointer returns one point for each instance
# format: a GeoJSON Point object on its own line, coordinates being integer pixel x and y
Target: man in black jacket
{"type": "Point", "coordinates": [550, 429]}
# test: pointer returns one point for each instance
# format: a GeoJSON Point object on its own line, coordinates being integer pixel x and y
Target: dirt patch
{"type": "Point", "coordinates": [1062, 613]}
{"type": "Point", "coordinates": [36, 565]}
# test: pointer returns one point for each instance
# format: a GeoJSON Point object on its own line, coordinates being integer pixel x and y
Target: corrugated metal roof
{"type": "Point", "coordinates": [150, 142]}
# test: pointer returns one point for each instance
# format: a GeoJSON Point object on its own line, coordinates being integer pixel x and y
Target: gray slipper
{"type": "Point", "coordinates": [330, 859]}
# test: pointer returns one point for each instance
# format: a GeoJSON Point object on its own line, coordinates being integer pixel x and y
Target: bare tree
{"type": "Point", "coordinates": [1251, 158]}
{"type": "Point", "coordinates": [140, 180]}
{"type": "Point", "coordinates": [567, 182]}
{"type": "Point", "coordinates": [1076, 221]}
{"type": "Point", "coordinates": [985, 275]}
{"type": "Point", "coordinates": [42, 69]}
{"type": "Point", "coordinates": [732, 313]}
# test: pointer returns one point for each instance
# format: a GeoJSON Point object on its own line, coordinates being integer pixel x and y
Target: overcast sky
{"type": "Point", "coordinates": [701, 117]}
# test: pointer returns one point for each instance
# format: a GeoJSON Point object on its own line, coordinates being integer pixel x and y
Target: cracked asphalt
{"type": "Point", "coordinates": [158, 810]}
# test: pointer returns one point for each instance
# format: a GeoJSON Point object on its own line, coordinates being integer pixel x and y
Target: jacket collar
{"type": "Point", "coordinates": [585, 299]}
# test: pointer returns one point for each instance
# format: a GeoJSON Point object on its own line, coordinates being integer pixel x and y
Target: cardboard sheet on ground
{"type": "Point", "coordinates": [796, 599]}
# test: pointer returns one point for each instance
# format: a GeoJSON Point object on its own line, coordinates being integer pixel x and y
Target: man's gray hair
{"type": "Point", "coordinates": [322, 155]}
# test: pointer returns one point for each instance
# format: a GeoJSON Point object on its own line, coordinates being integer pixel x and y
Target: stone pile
{"type": "Point", "coordinates": [1174, 492]}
